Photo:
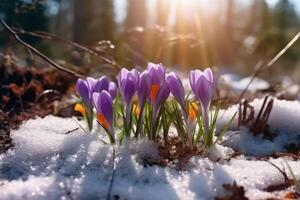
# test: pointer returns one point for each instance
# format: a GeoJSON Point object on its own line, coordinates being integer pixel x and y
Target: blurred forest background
{"type": "Point", "coordinates": [230, 34]}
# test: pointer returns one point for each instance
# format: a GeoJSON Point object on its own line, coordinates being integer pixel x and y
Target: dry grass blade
{"type": "Point", "coordinates": [260, 66]}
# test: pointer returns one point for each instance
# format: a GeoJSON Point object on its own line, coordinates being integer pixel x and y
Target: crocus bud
{"type": "Point", "coordinates": [156, 77]}
{"type": "Point", "coordinates": [104, 106]}
{"type": "Point", "coordinates": [128, 81]}
{"type": "Point", "coordinates": [176, 88]}
{"type": "Point", "coordinates": [84, 91]}
{"type": "Point", "coordinates": [202, 84]}
{"type": "Point", "coordinates": [159, 88]}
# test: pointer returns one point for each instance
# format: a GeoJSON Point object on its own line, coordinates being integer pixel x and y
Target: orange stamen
{"type": "Point", "coordinates": [80, 108]}
{"type": "Point", "coordinates": [153, 92]}
{"type": "Point", "coordinates": [101, 119]}
{"type": "Point", "coordinates": [136, 110]}
{"type": "Point", "coordinates": [192, 115]}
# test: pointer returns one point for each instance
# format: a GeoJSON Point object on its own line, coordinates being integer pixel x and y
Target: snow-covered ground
{"type": "Point", "coordinates": [238, 84]}
{"type": "Point", "coordinates": [46, 163]}
{"type": "Point", "coordinates": [284, 123]}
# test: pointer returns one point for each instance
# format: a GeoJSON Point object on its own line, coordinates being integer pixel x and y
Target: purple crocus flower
{"type": "Point", "coordinates": [159, 88]}
{"type": "Point", "coordinates": [104, 106]}
{"type": "Point", "coordinates": [143, 88]}
{"type": "Point", "coordinates": [86, 88]}
{"type": "Point", "coordinates": [202, 84]}
{"type": "Point", "coordinates": [128, 81]}
{"type": "Point", "coordinates": [176, 88]}
{"type": "Point", "coordinates": [84, 91]}
{"type": "Point", "coordinates": [157, 78]}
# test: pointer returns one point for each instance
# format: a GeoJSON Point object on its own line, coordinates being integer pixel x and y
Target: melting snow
{"type": "Point", "coordinates": [235, 83]}
{"type": "Point", "coordinates": [46, 163]}
{"type": "Point", "coordinates": [283, 123]}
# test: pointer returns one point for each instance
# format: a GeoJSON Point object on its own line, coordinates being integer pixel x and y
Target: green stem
{"type": "Point", "coordinates": [139, 123]}
{"type": "Point", "coordinates": [89, 119]}
{"type": "Point", "coordinates": [205, 116]}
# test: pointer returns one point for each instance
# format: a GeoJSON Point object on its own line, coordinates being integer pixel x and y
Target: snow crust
{"type": "Point", "coordinates": [283, 123]}
{"type": "Point", "coordinates": [237, 84]}
{"type": "Point", "coordinates": [46, 163]}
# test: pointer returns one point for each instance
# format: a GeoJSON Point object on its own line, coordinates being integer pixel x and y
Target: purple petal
{"type": "Point", "coordinates": [135, 74]}
{"type": "Point", "coordinates": [157, 73]}
{"type": "Point", "coordinates": [176, 87]}
{"type": "Point", "coordinates": [162, 95]}
{"type": "Point", "coordinates": [83, 90]}
{"type": "Point", "coordinates": [102, 84]}
{"type": "Point", "coordinates": [208, 74]}
{"type": "Point", "coordinates": [104, 105]}
{"type": "Point", "coordinates": [205, 91]}
{"type": "Point", "coordinates": [143, 88]}
{"type": "Point", "coordinates": [202, 84]}
{"type": "Point", "coordinates": [92, 84]}
{"type": "Point", "coordinates": [128, 81]}
{"type": "Point", "coordinates": [96, 101]}
{"type": "Point", "coordinates": [193, 82]}
{"type": "Point", "coordinates": [129, 91]}
{"type": "Point", "coordinates": [112, 89]}
{"type": "Point", "coordinates": [122, 74]}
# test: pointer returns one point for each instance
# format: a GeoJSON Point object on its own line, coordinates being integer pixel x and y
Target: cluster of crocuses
{"type": "Point", "coordinates": [144, 104]}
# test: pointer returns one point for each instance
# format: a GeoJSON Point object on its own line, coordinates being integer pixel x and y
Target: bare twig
{"type": "Point", "coordinates": [49, 36]}
{"type": "Point", "coordinates": [260, 67]}
{"type": "Point", "coordinates": [70, 131]}
{"type": "Point", "coordinates": [34, 50]}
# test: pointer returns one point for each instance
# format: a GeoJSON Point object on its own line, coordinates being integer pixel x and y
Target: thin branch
{"type": "Point", "coordinates": [259, 68]}
{"type": "Point", "coordinates": [34, 50]}
{"type": "Point", "coordinates": [70, 131]}
{"type": "Point", "coordinates": [49, 36]}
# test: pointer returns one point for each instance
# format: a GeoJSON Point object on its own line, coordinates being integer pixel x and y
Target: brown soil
{"type": "Point", "coordinates": [30, 92]}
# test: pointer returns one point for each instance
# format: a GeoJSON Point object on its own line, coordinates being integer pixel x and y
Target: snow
{"type": "Point", "coordinates": [46, 163]}
{"type": "Point", "coordinates": [237, 84]}
{"type": "Point", "coordinates": [283, 123]}
{"type": "Point", "coordinates": [289, 87]}
{"type": "Point", "coordinates": [284, 116]}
